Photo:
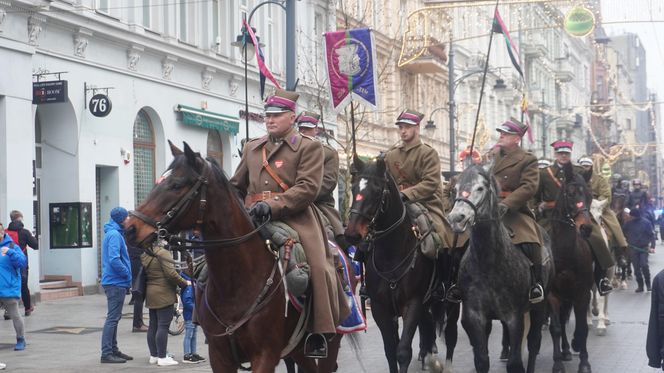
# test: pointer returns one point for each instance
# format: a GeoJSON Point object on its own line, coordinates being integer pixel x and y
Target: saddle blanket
{"type": "Point", "coordinates": [356, 321]}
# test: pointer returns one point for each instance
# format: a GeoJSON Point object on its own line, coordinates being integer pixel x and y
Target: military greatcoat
{"type": "Point", "coordinates": [325, 200]}
{"type": "Point", "coordinates": [298, 161]}
{"type": "Point", "coordinates": [518, 177]}
{"type": "Point", "coordinates": [416, 169]}
{"type": "Point", "coordinates": [548, 193]}
{"type": "Point", "coordinates": [602, 191]}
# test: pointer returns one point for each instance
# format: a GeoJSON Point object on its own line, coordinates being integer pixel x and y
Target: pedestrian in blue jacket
{"type": "Point", "coordinates": [116, 280]}
{"type": "Point", "coordinates": [12, 261]}
{"type": "Point", "coordinates": [640, 236]}
{"type": "Point", "coordinates": [187, 296]}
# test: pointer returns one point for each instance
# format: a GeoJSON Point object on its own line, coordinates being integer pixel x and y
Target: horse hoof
{"type": "Point", "coordinates": [584, 368]}
{"type": "Point", "coordinates": [623, 285]}
{"type": "Point", "coordinates": [601, 331]}
{"type": "Point", "coordinates": [566, 356]}
{"type": "Point", "coordinates": [431, 363]}
{"type": "Point", "coordinates": [504, 354]}
{"type": "Point", "coordinates": [558, 367]}
{"type": "Point", "coordinates": [607, 321]}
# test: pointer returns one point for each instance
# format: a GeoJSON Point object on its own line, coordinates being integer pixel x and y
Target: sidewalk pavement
{"type": "Point", "coordinates": [64, 336]}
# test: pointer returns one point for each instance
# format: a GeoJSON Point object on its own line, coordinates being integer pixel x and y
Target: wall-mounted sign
{"type": "Point", "coordinates": [100, 105]}
{"type": "Point", "coordinates": [49, 92]}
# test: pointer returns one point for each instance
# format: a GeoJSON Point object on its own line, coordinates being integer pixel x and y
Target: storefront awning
{"type": "Point", "coordinates": [207, 119]}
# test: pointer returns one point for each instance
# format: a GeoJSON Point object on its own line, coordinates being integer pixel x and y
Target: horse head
{"type": "Point", "coordinates": [374, 192]}
{"type": "Point", "coordinates": [178, 200]}
{"type": "Point", "coordinates": [476, 198]}
{"type": "Point", "coordinates": [574, 198]}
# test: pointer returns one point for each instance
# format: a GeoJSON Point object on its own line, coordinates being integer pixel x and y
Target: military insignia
{"type": "Point", "coordinates": [465, 194]}
{"type": "Point", "coordinates": [359, 197]}
{"type": "Point", "coordinates": [293, 140]}
{"type": "Point", "coordinates": [278, 163]}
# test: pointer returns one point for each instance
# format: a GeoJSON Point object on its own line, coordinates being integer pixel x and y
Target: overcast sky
{"type": "Point", "coordinates": [646, 19]}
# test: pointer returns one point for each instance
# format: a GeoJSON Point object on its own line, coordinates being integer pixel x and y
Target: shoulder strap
{"type": "Point", "coordinates": [271, 172]}
{"type": "Point", "coordinates": [555, 180]}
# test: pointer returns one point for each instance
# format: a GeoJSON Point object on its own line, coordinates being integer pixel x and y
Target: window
{"type": "Point", "coordinates": [109, 7]}
{"type": "Point", "coordinates": [187, 17]}
{"type": "Point", "coordinates": [144, 158]}
{"type": "Point", "coordinates": [216, 32]}
{"type": "Point", "coordinates": [214, 147]}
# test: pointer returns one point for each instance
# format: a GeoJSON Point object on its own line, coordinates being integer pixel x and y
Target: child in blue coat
{"type": "Point", "coordinates": [12, 261]}
{"type": "Point", "coordinates": [187, 296]}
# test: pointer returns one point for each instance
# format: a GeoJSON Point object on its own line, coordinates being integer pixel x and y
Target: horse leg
{"type": "Point", "coordinates": [451, 333]}
{"type": "Point", "coordinates": [329, 364]}
{"type": "Point", "coordinates": [601, 317]}
{"type": "Point", "coordinates": [564, 319]}
{"type": "Point", "coordinates": [505, 352]}
{"type": "Point", "coordinates": [216, 346]}
{"type": "Point", "coordinates": [411, 318]}
{"type": "Point", "coordinates": [555, 328]}
{"type": "Point", "coordinates": [427, 331]}
{"type": "Point", "coordinates": [290, 365]}
{"type": "Point", "coordinates": [389, 331]}
{"type": "Point", "coordinates": [581, 335]}
{"type": "Point", "coordinates": [515, 327]}
{"type": "Point", "coordinates": [537, 318]}
{"type": "Point", "coordinates": [475, 326]}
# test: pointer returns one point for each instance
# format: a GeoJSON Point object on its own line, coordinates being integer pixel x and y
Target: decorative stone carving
{"type": "Point", "coordinates": [3, 15]}
{"type": "Point", "coordinates": [206, 77]}
{"type": "Point", "coordinates": [34, 29]}
{"type": "Point", "coordinates": [167, 66]}
{"type": "Point", "coordinates": [133, 56]}
{"type": "Point", "coordinates": [233, 86]}
{"type": "Point", "coordinates": [81, 42]}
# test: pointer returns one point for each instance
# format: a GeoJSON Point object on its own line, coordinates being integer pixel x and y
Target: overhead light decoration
{"type": "Point", "coordinates": [579, 21]}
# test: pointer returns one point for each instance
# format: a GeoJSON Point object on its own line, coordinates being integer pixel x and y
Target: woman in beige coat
{"type": "Point", "coordinates": [161, 294]}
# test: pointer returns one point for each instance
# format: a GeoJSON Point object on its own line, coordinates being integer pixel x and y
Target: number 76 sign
{"type": "Point", "coordinates": [100, 105]}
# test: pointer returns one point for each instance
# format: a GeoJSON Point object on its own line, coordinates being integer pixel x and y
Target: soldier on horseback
{"type": "Point", "coordinates": [280, 175]}
{"type": "Point", "coordinates": [602, 192]}
{"type": "Point", "coordinates": [551, 179]}
{"type": "Point", "coordinates": [638, 198]}
{"type": "Point", "coordinates": [415, 167]}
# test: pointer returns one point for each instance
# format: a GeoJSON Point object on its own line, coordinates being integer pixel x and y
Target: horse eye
{"type": "Point", "coordinates": [480, 189]}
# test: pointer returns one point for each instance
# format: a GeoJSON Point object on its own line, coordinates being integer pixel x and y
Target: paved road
{"type": "Point", "coordinates": [64, 336]}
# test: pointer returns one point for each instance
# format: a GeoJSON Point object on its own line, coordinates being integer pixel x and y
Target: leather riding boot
{"type": "Point", "coordinates": [536, 291]}
{"type": "Point", "coordinates": [454, 294]}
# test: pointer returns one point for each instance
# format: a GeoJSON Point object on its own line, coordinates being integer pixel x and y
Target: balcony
{"type": "Point", "coordinates": [535, 47]}
{"type": "Point", "coordinates": [564, 70]}
{"type": "Point", "coordinates": [432, 61]}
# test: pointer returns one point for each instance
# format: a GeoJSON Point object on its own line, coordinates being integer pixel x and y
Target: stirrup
{"type": "Point", "coordinates": [604, 287]}
{"type": "Point", "coordinates": [536, 294]}
{"type": "Point", "coordinates": [453, 294]}
{"type": "Point", "coordinates": [319, 348]}
{"type": "Point", "coordinates": [363, 291]}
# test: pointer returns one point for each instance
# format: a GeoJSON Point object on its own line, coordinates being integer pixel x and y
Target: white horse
{"type": "Point", "coordinates": [600, 303]}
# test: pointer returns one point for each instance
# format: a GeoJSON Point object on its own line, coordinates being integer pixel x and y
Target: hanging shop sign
{"type": "Point", "coordinates": [100, 105]}
{"type": "Point", "coordinates": [51, 92]}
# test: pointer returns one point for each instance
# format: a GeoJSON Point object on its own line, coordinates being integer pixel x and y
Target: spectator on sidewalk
{"type": "Point", "coordinates": [116, 280]}
{"type": "Point", "coordinates": [160, 296]}
{"type": "Point", "coordinates": [190, 329]}
{"type": "Point", "coordinates": [23, 238]}
{"type": "Point", "coordinates": [655, 337]}
{"type": "Point", "coordinates": [640, 237]}
{"type": "Point", "coordinates": [137, 298]}
{"type": "Point", "coordinates": [660, 222]}
{"type": "Point", "coordinates": [12, 261]}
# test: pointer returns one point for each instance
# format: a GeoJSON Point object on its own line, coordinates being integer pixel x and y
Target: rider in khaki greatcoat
{"type": "Point", "coordinates": [551, 178]}
{"type": "Point", "coordinates": [602, 192]}
{"type": "Point", "coordinates": [280, 175]}
{"type": "Point", "coordinates": [415, 167]}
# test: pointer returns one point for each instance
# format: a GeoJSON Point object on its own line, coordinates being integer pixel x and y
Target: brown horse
{"type": "Point", "coordinates": [570, 290]}
{"type": "Point", "coordinates": [242, 307]}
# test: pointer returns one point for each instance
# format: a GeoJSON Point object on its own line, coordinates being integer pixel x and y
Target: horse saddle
{"type": "Point", "coordinates": [423, 230]}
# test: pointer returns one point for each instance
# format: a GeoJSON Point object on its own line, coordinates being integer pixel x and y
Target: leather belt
{"type": "Point", "coordinates": [504, 193]}
{"type": "Point", "coordinates": [250, 199]}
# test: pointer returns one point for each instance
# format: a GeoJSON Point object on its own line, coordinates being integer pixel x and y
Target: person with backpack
{"type": "Point", "coordinates": [23, 238]}
{"type": "Point", "coordinates": [12, 261]}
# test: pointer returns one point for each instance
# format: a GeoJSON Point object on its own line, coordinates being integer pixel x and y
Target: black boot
{"type": "Point", "coordinates": [536, 291]}
{"type": "Point", "coordinates": [315, 346]}
{"type": "Point", "coordinates": [438, 293]}
{"type": "Point", "coordinates": [647, 281]}
{"type": "Point", "coordinates": [639, 286]}
{"type": "Point", "coordinates": [454, 294]}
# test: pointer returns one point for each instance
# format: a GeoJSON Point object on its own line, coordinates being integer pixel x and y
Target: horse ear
{"type": "Point", "coordinates": [190, 154]}
{"type": "Point", "coordinates": [488, 165]}
{"type": "Point", "coordinates": [174, 149]}
{"type": "Point", "coordinates": [380, 165]}
{"type": "Point", "coordinates": [357, 163]}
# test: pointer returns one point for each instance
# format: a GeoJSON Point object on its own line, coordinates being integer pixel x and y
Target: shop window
{"type": "Point", "coordinates": [144, 158]}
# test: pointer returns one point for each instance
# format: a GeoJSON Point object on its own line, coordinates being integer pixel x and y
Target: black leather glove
{"type": "Point", "coordinates": [502, 209]}
{"type": "Point", "coordinates": [260, 212]}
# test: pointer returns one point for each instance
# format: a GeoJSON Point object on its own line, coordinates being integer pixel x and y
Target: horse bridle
{"type": "Point", "coordinates": [568, 218]}
{"type": "Point", "coordinates": [176, 209]}
{"type": "Point", "coordinates": [374, 234]}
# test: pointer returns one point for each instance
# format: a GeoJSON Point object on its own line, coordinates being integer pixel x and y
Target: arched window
{"type": "Point", "coordinates": [143, 157]}
{"type": "Point", "coordinates": [214, 147]}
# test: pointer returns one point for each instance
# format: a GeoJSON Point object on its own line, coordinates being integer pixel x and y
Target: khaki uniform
{"type": "Point", "coordinates": [298, 161]}
{"type": "Point", "coordinates": [602, 191]}
{"type": "Point", "coordinates": [518, 177]}
{"type": "Point", "coordinates": [548, 192]}
{"type": "Point", "coordinates": [325, 200]}
{"type": "Point", "coordinates": [416, 169]}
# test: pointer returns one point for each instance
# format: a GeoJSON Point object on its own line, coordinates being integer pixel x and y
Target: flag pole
{"type": "Point", "coordinates": [352, 124]}
{"type": "Point", "coordinates": [479, 105]}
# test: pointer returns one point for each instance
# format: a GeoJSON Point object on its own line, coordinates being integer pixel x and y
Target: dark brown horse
{"type": "Point", "coordinates": [241, 308]}
{"type": "Point", "coordinates": [398, 275]}
{"type": "Point", "coordinates": [570, 290]}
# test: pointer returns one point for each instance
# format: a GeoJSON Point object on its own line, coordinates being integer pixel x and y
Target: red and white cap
{"type": "Point", "coordinates": [281, 102]}
{"type": "Point", "coordinates": [411, 117]}
{"type": "Point", "coordinates": [562, 146]}
{"type": "Point", "coordinates": [513, 127]}
{"type": "Point", "coordinates": [307, 119]}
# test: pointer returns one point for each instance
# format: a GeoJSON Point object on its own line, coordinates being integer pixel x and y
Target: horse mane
{"type": "Point", "coordinates": [222, 179]}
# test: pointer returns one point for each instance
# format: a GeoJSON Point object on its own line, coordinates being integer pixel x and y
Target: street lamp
{"type": "Point", "coordinates": [242, 41]}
